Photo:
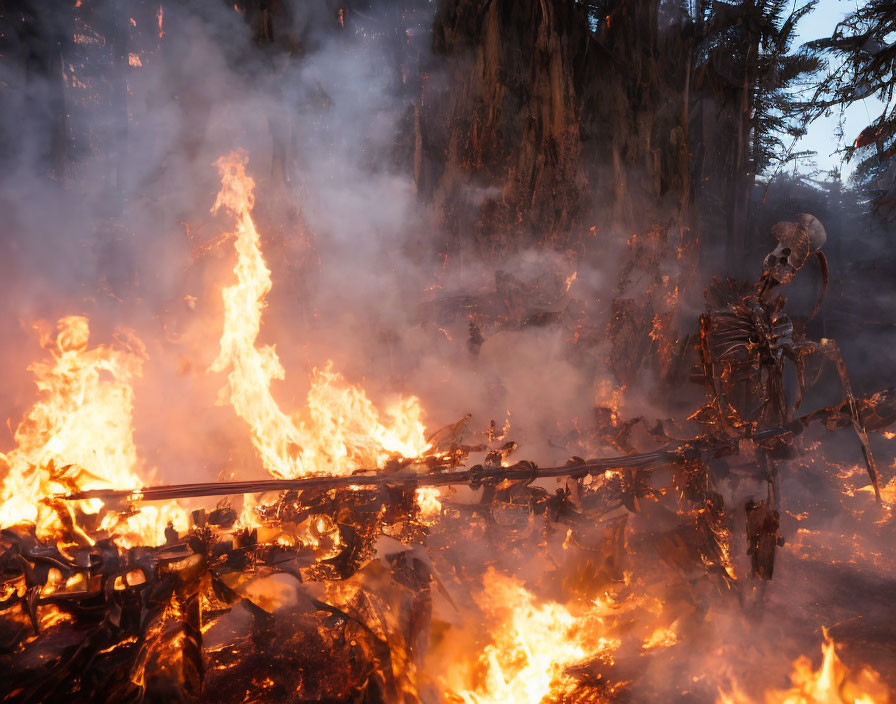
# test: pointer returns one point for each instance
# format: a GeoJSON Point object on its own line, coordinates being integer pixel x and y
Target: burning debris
{"type": "Point", "coordinates": [384, 564]}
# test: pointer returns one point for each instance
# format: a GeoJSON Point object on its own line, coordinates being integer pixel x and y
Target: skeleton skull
{"type": "Point", "coordinates": [796, 241]}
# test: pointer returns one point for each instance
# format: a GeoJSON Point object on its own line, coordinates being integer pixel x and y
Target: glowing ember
{"type": "Point", "coordinates": [660, 638]}
{"type": "Point", "coordinates": [79, 436]}
{"type": "Point", "coordinates": [429, 503]}
{"type": "Point", "coordinates": [341, 430]}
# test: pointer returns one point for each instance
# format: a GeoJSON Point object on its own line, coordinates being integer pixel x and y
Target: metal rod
{"type": "Point", "coordinates": [675, 455]}
{"type": "Point", "coordinates": [518, 471]}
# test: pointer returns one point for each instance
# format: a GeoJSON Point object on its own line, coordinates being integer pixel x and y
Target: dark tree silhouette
{"type": "Point", "coordinates": [861, 63]}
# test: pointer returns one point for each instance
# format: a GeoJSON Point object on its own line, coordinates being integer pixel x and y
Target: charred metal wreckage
{"type": "Point", "coordinates": [87, 618]}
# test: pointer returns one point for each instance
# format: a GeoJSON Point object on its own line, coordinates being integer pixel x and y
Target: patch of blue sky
{"type": "Point", "coordinates": [830, 133]}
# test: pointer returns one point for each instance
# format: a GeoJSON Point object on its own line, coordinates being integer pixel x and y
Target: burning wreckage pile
{"type": "Point", "coordinates": [332, 586]}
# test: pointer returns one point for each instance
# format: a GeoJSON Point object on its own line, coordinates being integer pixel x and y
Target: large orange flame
{"type": "Point", "coordinates": [342, 430]}
{"type": "Point", "coordinates": [79, 436]}
{"type": "Point", "coordinates": [532, 645]}
{"type": "Point", "coordinates": [832, 683]}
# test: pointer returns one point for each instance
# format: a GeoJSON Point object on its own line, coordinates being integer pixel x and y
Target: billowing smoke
{"type": "Point", "coordinates": [112, 220]}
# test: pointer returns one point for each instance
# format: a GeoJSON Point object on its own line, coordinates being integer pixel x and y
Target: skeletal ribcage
{"type": "Point", "coordinates": [746, 335]}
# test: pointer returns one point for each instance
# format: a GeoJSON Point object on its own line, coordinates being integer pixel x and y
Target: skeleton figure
{"type": "Point", "coordinates": [743, 348]}
{"type": "Point", "coordinates": [744, 345]}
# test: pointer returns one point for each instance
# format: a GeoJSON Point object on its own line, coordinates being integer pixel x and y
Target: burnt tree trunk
{"type": "Point", "coordinates": [555, 124]}
{"type": "Point", "coordinates": [502, 140]}
{"type": "Point", "coordinates": [560, 118]}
